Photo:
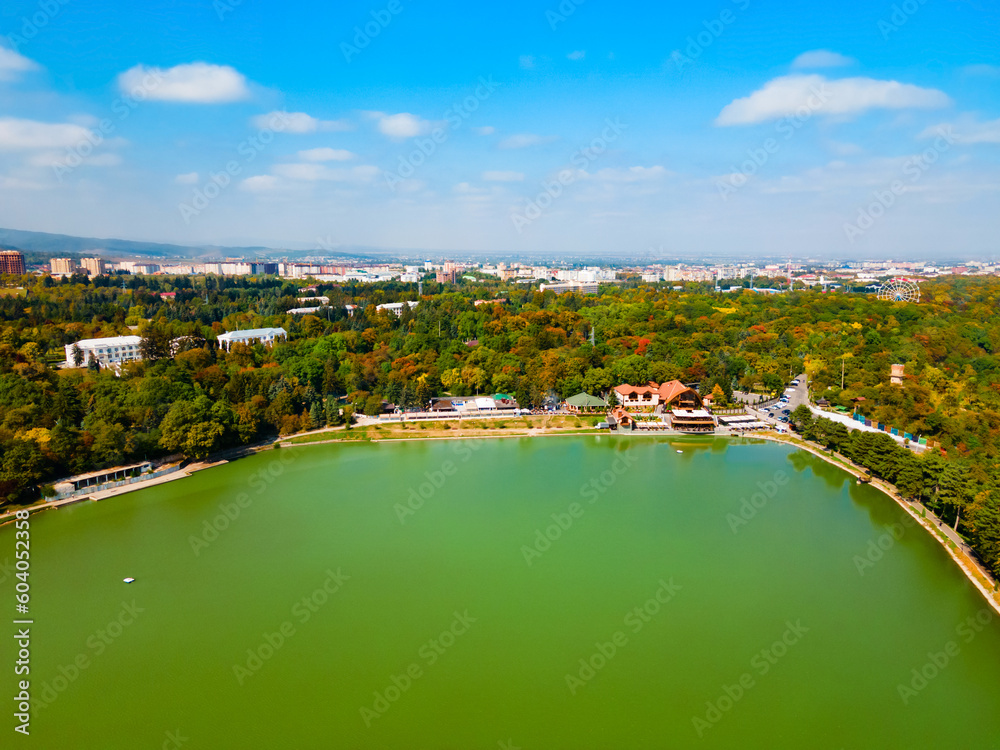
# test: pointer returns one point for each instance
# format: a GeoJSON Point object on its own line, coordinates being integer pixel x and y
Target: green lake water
{"type": "Point", "coordinates": [338, 607]}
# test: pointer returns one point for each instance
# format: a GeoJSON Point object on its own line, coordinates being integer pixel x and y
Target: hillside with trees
{"type": "Point", "coordinates": [191, 397]}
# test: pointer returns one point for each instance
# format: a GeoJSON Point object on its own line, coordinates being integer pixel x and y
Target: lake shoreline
{"type": "Point", "coordinates": [966, 563]}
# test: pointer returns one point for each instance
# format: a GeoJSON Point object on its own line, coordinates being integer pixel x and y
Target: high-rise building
{"type": "Point", "coordinates": [11, 261]}
{"type": "Point", "coordinates": [94, 266]}
{"type": "Point", "coordinates": [62, 266]}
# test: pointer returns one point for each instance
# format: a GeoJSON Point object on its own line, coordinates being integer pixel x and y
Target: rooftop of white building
{"type": "Point", "coordinates": [110, 341]}
{"type": "Point", "coordinates": [253, 333]}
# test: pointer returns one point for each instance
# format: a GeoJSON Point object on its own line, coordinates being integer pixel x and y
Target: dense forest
{"type": "Point", "coordinates": [190, 397]}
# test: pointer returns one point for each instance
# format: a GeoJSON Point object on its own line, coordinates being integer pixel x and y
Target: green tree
{"type": "Point", "coordinates": [189, 428]}
{"type": "Point", "coordinates": [316, 415]}
{"type": "Point", "coordinates": [802, 419]}
{"type": "Point", "coordinates": [333, 416]}
{"type": "Point", "coordinates": [155, 343]}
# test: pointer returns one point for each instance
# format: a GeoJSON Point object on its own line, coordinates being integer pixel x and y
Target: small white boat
{"type": "Point", "coordinates": [128, 580]}
{"type": "Point", "coordinates": [680, 451]}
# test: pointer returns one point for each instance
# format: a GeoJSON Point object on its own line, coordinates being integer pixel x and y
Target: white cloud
{"type": "Point", "coordinates": [991, 71]}
{"type": "Point", "coordinates": [485, 130]}
{"type": "Point", "coordinates": [192, 83]}
{"type": "Point", "coordinates": [262, 183]}
{"type": "Point", "coordinates": [524, 140]}
{"type": "Point", "coordinates": [103, 160]}
{"type": "Point", "coordinates": [19, 185]}
{"type": "Point", "coordinates": [410, 186]}
{"type": "Point", "coordinates": [967, 131]}
{"type": "Point", "coordinates": [326, 154]}
{"type": "Point", "coordinates": [822, 58]}
{"type": "Point", "coordinates": [321, 172]}
{"type": "Point", "coordinates": [190, 178]}
{"type": "Point", "coordinates": [403, 125]}
{"type": "Point", "coordinates": [26, 135]}
{"type": "Point", "coordinates": [787, 95]}
{"type": "Point", "coordinates": [13, 64]}
{"type": "Point", "coordinates": [527, 62]}
{"type": "Point", "coordinates": [54, 158]}
{"type": "Point", "coordinates": [632, 174]}
{"type": "Point", "coordinates": [305, 172]}
{"type": "Point", "coordinates": [297, 122]}
{"type": "Point", "coordinates": [577, 55]}
{"type": "Point", "coordinates": [845, 149]}
{"type": "Point", "coordinates": [499, 176]}
{"type": "Point", "coordinates": [465, 188]}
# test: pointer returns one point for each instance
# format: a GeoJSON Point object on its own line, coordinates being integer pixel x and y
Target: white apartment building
{"type": "Point", "coordinates": [304, 310]}
{"type": "Point", "coordinates": [396, 307]}
{"type": "Point", "coordinates": [63, 266]}
{"type": "Point", "coordinates": [108, 351]}
{"type": "Point", "coordinates": [579, 287]}
{"type": "Point", "coordinates": [94, 266]}
{"type": "Point", "coordinates": [266, 336]}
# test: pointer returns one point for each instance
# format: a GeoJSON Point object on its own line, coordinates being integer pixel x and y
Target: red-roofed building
{"type": "Point", "coordinates": [670, 394]}
{"type": "Point", "coordinates": [638, 397]}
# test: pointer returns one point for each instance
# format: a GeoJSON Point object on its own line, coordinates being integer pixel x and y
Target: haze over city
{"type": "Point", "coordinates": [731, 129]}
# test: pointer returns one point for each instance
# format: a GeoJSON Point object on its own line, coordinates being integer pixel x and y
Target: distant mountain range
{"type": "Point", "coordinates": [64, 245]}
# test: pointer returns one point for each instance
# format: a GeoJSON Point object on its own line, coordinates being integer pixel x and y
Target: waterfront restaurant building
{"type": "Point", "coordinates": [266, 336]}
{"type": "Point", "coordinates": [682, 405]}
{"type": "Point", "coordinates": [667, 395]}
{"type": "Point", "coordinates": [686, 408]}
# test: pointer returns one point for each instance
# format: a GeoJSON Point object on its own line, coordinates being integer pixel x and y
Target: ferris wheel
{"type": "Point", "coordinates": [899, 290]}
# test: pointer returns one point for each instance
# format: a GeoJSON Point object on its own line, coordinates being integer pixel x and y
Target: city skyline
{"type": "Point", "coordinates": [869, 131]}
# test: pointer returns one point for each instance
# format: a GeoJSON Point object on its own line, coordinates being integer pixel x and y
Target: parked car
{"type": "Point", "coordinates": [786, 411]}
{"type": "Point", "coordinates": [785, 420]}
{"type": "Point", "coordinates": [795, 382]}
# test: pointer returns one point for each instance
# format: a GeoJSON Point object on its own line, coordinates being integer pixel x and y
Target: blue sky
{"type": "Point", "coordinates": [720, 128]}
